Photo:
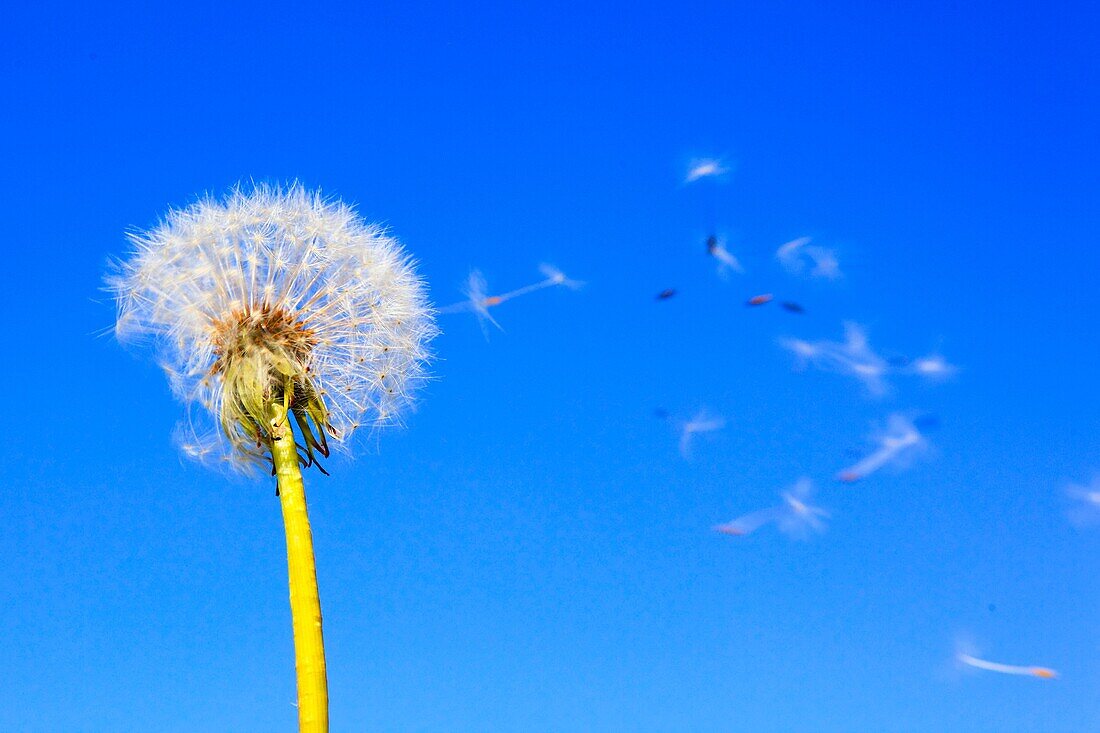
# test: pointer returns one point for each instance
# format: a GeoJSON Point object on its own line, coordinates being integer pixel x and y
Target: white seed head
{"type": "Point", "coordinates": [276, 294]}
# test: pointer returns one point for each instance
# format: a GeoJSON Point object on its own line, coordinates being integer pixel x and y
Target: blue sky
{"type": "Point", "coordinates": [531, 553]}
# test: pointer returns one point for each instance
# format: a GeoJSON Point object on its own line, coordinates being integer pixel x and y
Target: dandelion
{"type": "Point", "coordinates": [479, 301]}
{"type": "Point", "coordinates": [900, 440]}
{"type": "Point", "coordinates": [796, 517]}
{"type": "Point", "coordinates": [291, 323]}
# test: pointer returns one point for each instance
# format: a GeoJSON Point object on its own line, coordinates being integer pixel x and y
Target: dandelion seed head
{"type": "Point", "coordinates": [275, 294]}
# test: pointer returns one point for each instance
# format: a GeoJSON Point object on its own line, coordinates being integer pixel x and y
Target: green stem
{"type": "Point", "coordinates": [305, 604]}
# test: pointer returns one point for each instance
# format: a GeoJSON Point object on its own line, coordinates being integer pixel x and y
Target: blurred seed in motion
{"type": "Point", "coordinates": [703, 422]}
{"type": "Point", "coordinates": [795, 517]}
{"type": "Point", "coordinates": [932, 366]}
{"type": "Point", "coordinates": [1040, 672]}
{"type": "Point", "coordinates": [800, 257]}
{"type": "Point", "coordinates": [666, 294]}
{"type": "Point", "coordinates": [705, 168]}
{"type": "Point", "coordinates": [479, 302]}
{"type": "Point", "coordinates": [726, 261]}
{"type": "Point", "coordinates": [854, 357]}
{"type": "Point", "coordinates": [895, 445]}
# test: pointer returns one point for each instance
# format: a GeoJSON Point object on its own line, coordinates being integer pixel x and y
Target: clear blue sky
{"type": "Point", "coordinates": [531, 553]}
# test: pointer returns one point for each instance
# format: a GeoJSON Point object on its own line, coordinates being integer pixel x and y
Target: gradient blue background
{"type": "Point", "coordinates": [531, 554]}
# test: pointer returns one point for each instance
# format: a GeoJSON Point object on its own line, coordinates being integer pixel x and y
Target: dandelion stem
{"type": "Point", "coordinates": [305, 605]}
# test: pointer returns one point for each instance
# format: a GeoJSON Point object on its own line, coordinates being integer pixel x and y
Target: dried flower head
{"type": "Point", "coordinates": [270, 296]}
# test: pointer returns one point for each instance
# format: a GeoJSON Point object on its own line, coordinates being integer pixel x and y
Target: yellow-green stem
{"type": "Point", "coordinates": [305, 605]}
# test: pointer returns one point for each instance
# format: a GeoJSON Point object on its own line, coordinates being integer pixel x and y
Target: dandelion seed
{"type": "Point", "coordinates": [479, 302]}
{"type": "Point", "coordinates": [666, 294]}
{"type": "Point", "coordinates": [825, 264]}
{"type": "Point", "coordinates": [748, 523]}
{"type": "Point", "coordinates": [900, 440]}
{"type": "Point", "coordinates": [705, 168]}
{"type": "Point", "coordinates": [788, 254]}
{"type": "Point", "coordinates": [796, 517]}
{"type": "Point", "coordinates": [792, 307]}
{"type": "Point", "coordinates": [278, 312]}
{"type": "Point", "coordinates": [759, 299]}
{"type": "Point", "coordinates": [703, 422]}
{"type": "Point", "coordinates": [853, 357]}
{"type": "Point", "coordinates": [799, 256]}
{"type": "Point", "coordinates": [554, 276]}
{"type": "Point", "coordinates": [716, 248]}
{"type": "Point", "coordinates": [1040, 672]}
